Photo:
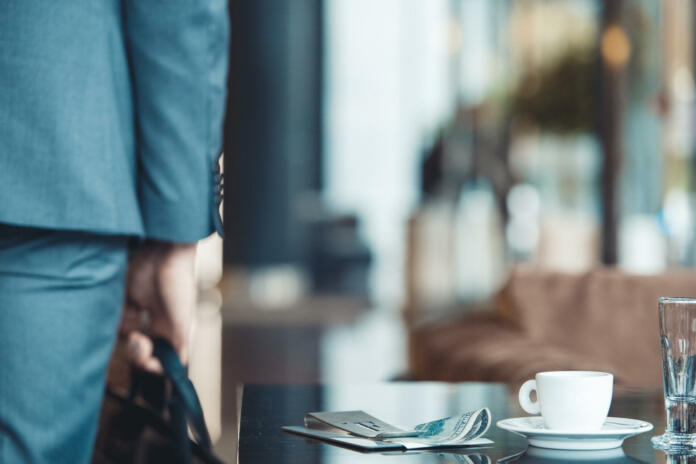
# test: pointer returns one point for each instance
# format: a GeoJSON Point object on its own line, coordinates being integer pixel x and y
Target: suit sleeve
{"type": "Point", "coordinates": [178, 53]}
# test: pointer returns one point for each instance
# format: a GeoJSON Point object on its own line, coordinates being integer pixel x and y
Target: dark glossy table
{"type": "Point", "coordinates": [266, 408]}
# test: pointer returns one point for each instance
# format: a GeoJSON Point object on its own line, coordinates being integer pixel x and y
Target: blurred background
{"type": "Point", "coordinates": [390, 164]}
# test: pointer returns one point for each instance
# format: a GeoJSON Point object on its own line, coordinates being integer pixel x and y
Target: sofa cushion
{"type": "Point", "coordinates": [604, 315]}
{"type": "Point", "coordinates": [483, 348]}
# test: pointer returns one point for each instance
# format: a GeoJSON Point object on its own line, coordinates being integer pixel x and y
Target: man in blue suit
{"type": "Point", "coordinates": [110, 122]}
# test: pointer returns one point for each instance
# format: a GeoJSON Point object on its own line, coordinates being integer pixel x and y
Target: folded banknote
{"type": "Point", "coordinates": [353, 428]}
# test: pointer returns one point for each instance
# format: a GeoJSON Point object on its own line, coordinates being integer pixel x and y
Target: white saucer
{"type": "Point", "coordinates": [614, 431]}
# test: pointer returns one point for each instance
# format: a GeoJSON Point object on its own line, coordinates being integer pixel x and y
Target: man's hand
{"type": "Point", "coordinates": [160, 290]}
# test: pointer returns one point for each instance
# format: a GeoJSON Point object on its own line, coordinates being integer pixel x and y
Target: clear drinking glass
{"type": "Point", "coordinates": [678, 343]}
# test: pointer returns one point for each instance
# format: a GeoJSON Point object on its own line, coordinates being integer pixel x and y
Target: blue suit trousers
{"type": "Point", "coordinates": [60, 306]}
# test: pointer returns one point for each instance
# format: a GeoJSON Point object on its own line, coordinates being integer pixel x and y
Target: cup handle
{"type": "Point", "coordinates": [526, 403]}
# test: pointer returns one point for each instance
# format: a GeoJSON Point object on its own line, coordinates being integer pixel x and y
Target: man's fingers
{"type": "Point", "coordinates": [140, 353]}
{"type": "Point", "coordinates": [130, 319]}
{"type": "Point", "coordinates": [160, 300]}
{"type": "Point", "coordinates": [176, 289]}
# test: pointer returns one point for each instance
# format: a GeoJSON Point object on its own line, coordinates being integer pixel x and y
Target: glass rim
{"type": "Point", "coordinates": [677, 299]}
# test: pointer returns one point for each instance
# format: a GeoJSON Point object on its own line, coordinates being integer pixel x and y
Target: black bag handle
{"type": "Point", "coordinates": [184, 406]}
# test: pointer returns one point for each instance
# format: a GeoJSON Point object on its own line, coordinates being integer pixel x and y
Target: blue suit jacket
{"type": "Point", "coordinates": [111, 114]}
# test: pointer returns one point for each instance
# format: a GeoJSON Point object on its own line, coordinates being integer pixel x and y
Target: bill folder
{"type": "Point", "coordinates": [357, 429]}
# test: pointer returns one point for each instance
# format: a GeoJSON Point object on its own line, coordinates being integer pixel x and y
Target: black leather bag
{"type": "Point", "coordinates": [150, 423]}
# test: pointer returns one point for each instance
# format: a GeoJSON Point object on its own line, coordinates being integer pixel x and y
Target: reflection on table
{"type": "Point", "coordinates": [266, 408]}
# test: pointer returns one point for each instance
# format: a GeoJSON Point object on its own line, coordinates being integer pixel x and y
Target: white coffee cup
{"type": "Point", "coordinates": [569, 400]}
